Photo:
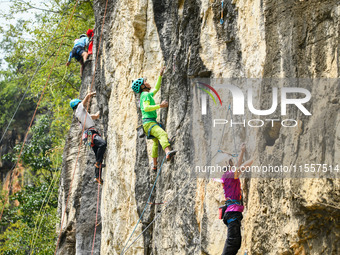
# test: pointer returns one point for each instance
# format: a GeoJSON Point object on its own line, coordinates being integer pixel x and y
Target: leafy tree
{"type": "Point", "coordinates": [33, 44]}
{"type": "Point", "coordinates": [30, 216]}
{"type": "Point", "coordinates": [30, 48]}
{"type": "Point", "coordinates": [31, 223]}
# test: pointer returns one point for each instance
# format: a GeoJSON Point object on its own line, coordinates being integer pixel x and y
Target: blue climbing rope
{"type": "Point", "coordinates": [159, 214]}
{"type": "Point", "coordinates": [147, 203]}
{"type": "Point", "coordinates": [176, 195]}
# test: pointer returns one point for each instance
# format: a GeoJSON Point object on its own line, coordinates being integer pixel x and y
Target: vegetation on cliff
{"type": "Point", "coordinates": [30, 47]}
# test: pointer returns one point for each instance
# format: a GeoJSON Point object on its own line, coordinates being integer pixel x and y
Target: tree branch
{"type": "Point", "coordinates": [34, 7]}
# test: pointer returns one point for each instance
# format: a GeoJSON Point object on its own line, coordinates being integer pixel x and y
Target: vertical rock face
{"type": "Point", "coordinates": [264, 38]}
{"type": "Point", "coordinates": [77, 189]}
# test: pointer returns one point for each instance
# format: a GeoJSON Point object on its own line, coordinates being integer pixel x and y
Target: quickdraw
{"type": "Point", "coordinates": [221, 21]}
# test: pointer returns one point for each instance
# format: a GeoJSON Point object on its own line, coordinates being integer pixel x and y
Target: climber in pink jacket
{"type": "Point", "coordinates": [232, 214]}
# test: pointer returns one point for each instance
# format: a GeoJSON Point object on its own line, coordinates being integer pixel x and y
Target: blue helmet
{"type": "Point", "coordinates": [74, 102]}
{"type": "Point", "coordinates": [136, 84]}
{"type": "Point", "coordinates": [83, 35]}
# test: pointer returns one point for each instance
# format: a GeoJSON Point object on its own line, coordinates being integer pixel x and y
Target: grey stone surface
{"type": "Point", "coordinates": [258, 39]}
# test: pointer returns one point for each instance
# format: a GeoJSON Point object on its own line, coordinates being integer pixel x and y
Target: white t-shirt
{"type": "Point", "coordinates": [81, 113]}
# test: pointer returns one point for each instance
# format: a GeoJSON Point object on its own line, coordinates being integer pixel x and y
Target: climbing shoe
{"type": "Point", "coordinates": [100, 181]}
{"type": "Point", "coordinates": [154, 167]}
{"type": "Point", "coordinates": [170, 154]}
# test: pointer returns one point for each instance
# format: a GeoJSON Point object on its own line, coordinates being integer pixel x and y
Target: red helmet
{"type": "Point", "coordinates": [89, 33]}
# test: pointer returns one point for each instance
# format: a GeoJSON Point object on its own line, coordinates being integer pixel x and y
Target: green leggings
{"type": "Point", "coordinates": [160, 136]}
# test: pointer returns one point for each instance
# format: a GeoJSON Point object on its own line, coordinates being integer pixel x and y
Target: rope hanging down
{"type": "Point", "coordinates": [95, 67]}
{"type": "Point", "coordinates": [80, 143]}
{"type": "Point", "coordinates": [30, 83]}
{"type": "Point", "coordinates": [36, 109]}
{"type": "Point", "coordinates": [158, 215]}
{"type": "Point", "coordinates": [186, 184]}
{"type": "Point", "coordinates": [147, 203]}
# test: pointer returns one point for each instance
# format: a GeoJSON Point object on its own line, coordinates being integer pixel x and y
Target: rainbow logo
{"type": "Point", "coordinates": [204, 97]}
{"type": "Point", "coordinates": [209, 93]}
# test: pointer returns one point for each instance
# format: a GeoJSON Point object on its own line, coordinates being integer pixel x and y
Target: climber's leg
{"type": "Point", "coordinates": [99, 149]}
{"type": "Point", "coordinates": [162, 136]}
{"type": "Point", "coordinates": [154, 167]}
{"type": "Point", "coordinates": [84, 55]}
{"type": "Point", "coordinates": [154, 151]}
{"type": "Point", "coordinates": [233, 242]}
{"type": "Point", "coordinates": [101, 145]}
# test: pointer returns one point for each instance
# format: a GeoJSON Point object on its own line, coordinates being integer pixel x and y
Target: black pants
{"type": "Point", "coordinates": [233, 242]}
{"type": "Point", "coordinates": [99, 149]}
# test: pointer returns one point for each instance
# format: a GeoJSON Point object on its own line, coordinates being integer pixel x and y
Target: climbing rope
{"type": "Point", "coordinates": [31, 80]}
{"type": "Point", "coordinates": [222, 5]}
{"type": "Point", "coordinates": [95, 68]}
{"type": "Point", "coordinates": [95, 226]}
{"type": "Point", "coordinates": [221, 140]}
{"type": "Point", "coordinates": [36, 109]}
{"type": "Point", "coordinates": [157, 216]}
{"type": "Point", "coordinates": [168, 204]}
{"type": "Point", "coordinates": [154, 184]}
{"type": "Point", "coordinates": [232, 129]}
{"type": "Point", "coordinates": [36, 229]}
{"type": "Point", "coordinates": [80, 143]}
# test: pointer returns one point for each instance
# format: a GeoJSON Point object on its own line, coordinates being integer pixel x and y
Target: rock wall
{"type": "Point", "coordinates": [77, 188]}
{"type": "Point", "coordinates": [260, 38]}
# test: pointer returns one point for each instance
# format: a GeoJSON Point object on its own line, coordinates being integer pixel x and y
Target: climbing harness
{"type": "Point", "coordinates": [140, 129]}
{"type": "Point", "coordinates": [221, 21]}
{"type": "Point", "coordinates": [88, 136]}
{"type": "Point", "coordinates": [149, 136]}
{"type": "Point", "coordinates": [147, 203]}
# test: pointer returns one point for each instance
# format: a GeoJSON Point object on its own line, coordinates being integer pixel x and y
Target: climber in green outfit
{"type": "Point", "coordinates": [149, 115]}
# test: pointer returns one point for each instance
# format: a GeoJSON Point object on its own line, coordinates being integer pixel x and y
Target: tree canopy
{"type": "Point", "coordinates": [30, 46]}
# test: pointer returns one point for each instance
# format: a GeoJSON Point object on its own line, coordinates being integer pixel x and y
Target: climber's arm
{"type": "Point", "coordinates": [240, 158]}
{"type": "Point", "coordinates": [159, 82]}
{"type": "Point", "coordinates": [150, 108]}
{"type": "Point", "coordinates": [87, 98]}
{"type": "Point", "coordinates": [69, 59]}
{"type": "Point", "coordinates": [95, 116]}
{"type": "Point", "coordinates": [238, 171]}
{"type": "Point", "coordinates": [158, 86]}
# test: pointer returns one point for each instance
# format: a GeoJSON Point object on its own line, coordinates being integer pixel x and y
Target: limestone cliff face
{"type": "Point", "coordinates": [77, 186]}
{"type": "Point", "coordinates": [263, 38]}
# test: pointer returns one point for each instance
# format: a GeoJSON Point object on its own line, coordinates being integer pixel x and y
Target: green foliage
{"type": "Point", "coordinates": [10, 95]}
{"type": "Point", "coordinates": [31, 214]}
{"type": "Point", "coordinates": [37, 152]}
{"type": "Point", "coordinates": [29, 228]}
{"type": "Point", "coordinates": [29, 46]}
